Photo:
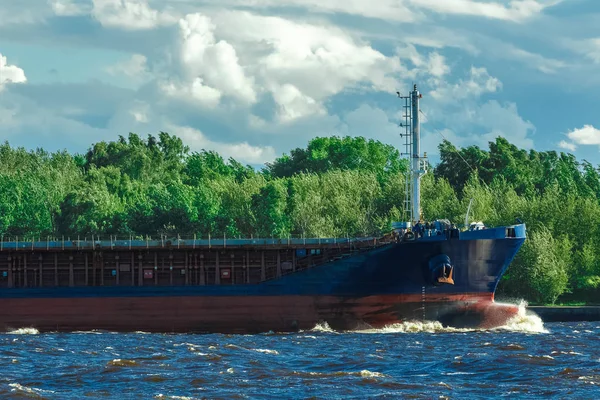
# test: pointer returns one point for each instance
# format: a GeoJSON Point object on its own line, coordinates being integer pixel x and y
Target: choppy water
{"type": "Point", "coordinates": [525, 359]}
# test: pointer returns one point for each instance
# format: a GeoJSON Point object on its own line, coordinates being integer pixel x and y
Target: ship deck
{"type": "Point", "coordinates": [167, 262]}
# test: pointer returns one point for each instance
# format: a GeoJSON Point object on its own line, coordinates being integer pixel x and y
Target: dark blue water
{"type": "Point", "coordinates": [524, 360]}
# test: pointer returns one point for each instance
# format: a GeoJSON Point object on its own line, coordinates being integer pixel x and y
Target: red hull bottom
{"type": "Point", "coordinates": [248, 314]}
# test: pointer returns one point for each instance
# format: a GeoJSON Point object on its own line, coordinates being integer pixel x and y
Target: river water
{"type": "Point", "coordinates": [525, 359]}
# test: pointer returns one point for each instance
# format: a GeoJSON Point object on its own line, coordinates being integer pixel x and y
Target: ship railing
{"type": "Point", "coordinates": [14, 244]}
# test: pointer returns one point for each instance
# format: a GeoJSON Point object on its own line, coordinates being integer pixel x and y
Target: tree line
{"type": "Point", "coordinates": [335, 187]}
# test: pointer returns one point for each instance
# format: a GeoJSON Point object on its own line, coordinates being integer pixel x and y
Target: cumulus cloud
{"type": "Point", "coordinates": [466, 121]}
{"type": "Point", "coordinates": [196, 91]}
{"type": "Point", "coordinates": [479, 82]}
{"type": "Point", "coordinates": [563, 144]}
{"type": "Point", "coordinates": [301, 64]}
{"type": "Point", "coordinates": [10, 73]}
{"type": "Point", "coordinates": [498, 119]}
{"type": "Point", "coordinates": [477, 124]}
{"type": "Point", "coordinates": [437, 65]}
{"type": "Point", "coordinates": [293, 104]}
{"type": "Point", "coordinates": [588, 135]}
{"type": "Point", "coordinates": [298, 65]}
{"type": "Point", "coordinates": [216, 62]}
{"type": "Point", "coordinates": [426, 65]}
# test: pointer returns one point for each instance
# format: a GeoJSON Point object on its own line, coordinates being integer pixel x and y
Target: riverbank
{"type": "Point", "coordinates": [566, 313]}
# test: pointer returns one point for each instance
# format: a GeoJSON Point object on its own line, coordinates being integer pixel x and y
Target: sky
{"type": "Point", "coordinates": [253, 79]}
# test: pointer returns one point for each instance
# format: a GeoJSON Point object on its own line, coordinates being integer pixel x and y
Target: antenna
{"type": "Point", "coordinates": [467, 214]}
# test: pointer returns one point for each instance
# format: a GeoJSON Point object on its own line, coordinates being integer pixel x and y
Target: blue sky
{"type": "Point", "coordinates": [252, 79]}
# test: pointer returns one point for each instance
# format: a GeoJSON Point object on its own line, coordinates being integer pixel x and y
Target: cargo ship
{"type": "Point", "coordinates": [419, 271]}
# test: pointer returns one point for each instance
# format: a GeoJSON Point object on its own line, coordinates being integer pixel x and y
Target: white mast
{"type": "Point", "coordinates": [417, 164]}
{"type": "Point", "coordinates": [412, 135]}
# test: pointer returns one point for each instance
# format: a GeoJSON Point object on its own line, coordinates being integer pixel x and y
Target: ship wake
{"type": "Point", "coordinates": [23, 331]}
{"type": "Point", "coordinates": [523, 321]}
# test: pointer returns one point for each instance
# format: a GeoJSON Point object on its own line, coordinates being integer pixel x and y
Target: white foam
{"type": "Point", "coordinates": [365, 373]}
{"type": "Point", "coordinates": [570, 353]}
{"type": "Point", "coordinates": [458, 373]}
{"type": "Point", "coordinates": [323, 327]}
{"type": "Point", "coordinates": [24, 331]}
{"type": "Point", "coordinates": [267, 351]}
{"type": "Point", "coordinates": [17, 387]}
{"type": "Point", "coordinates": [524, 321]}
{"type": "Point", "coordinates": [410, 327]}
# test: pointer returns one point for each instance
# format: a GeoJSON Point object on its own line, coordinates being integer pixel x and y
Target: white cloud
{"type": "Point", "coordinates": [537, 61]}
{"type": "Point", "coordinates": [303, 64]}
{"type": "Point", "coordinates": [411, 10]}
{"type": "Point", "coordinates": [472, 124]}
{"type": "Point", "coordinates": [10, 73]}
{"type": "Point", "coordinates": [432, 64]}
{"type": "Point", "coordinates": [298, 64]}
{"type": "Point", "coordinates": [495, 48]}
{"type": "Point", "coordinates": [242, 151]}
{"type": "Point", "coordinates": [588, 135]}
{"type": "Point", "coordinates": [215, 62]}
{"type": "Point", "coordinates": [70, 8]}
{"type": "Point", "coordinates": [140, 112]}
{"type": "Point", "coordinates": [14, 14]}
{"type": "Point", "coordinates": [516, 10]}
{"type": "Point", "coordinates": [437, 65]}
{"type": "Point", "coordinates": [292, 104]}
{"type": "Point", "coordinates": [480, 124]}
{"type": "Point", "coordinates": [134, 67]}
{"type": "Point", "coordinates": [196, 91]}
{"type": "Point", "coordinates": [590, 48]}
{"type": "Point", "coordinates": [256, 122]}
{"type": "Point", "coordinates": [563, 144]}
{"type": "Point", "coordinates": [504, 120]}
{"type": "Point", "coordinates": [436, 37]}
{"type": "Point", "coordinates": [130, 14]}
{"type": "Point", "coordinates": [479, 82]}
{"type": "Point", "coordinates": [393, 10]}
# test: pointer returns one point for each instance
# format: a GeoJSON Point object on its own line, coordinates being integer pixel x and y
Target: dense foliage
{"type": "Point", "coordinates": [336, 187]}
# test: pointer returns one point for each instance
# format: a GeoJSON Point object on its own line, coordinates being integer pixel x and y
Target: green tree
{"type": "Point", "coordinates": [270, 205]}
{"type": "Point", "coordinates": [539, 271]}
{"type": "Point", "coordinates": [330, 153]}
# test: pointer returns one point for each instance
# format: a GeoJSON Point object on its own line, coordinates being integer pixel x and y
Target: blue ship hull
{"type": "Point", "coordinates": [390, 284]}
